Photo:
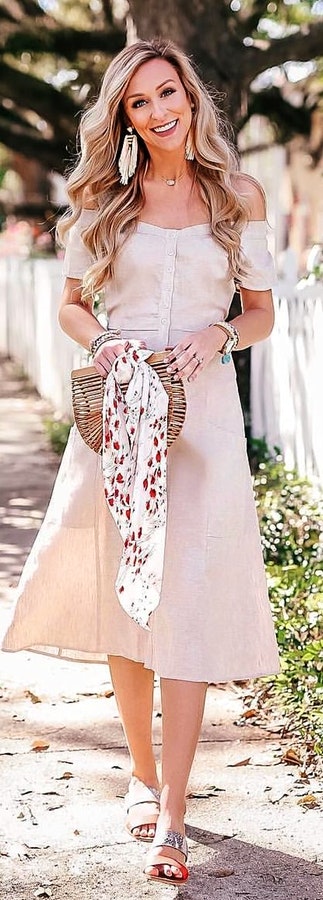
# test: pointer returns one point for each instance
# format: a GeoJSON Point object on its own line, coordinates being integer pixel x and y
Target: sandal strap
{"type": "Point", "coordinates": [172, 839]}
{"type": "Point", "coordinates": [139, 793]}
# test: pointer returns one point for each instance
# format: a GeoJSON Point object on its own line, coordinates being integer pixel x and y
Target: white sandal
{"type": "Point", "coordinates": [140, 795]}
{"type": "Point", "coordinates": [158, 857]}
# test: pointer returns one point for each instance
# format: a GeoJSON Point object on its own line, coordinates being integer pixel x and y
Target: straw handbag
{"type": "Point", "coordinates": [88, 394]}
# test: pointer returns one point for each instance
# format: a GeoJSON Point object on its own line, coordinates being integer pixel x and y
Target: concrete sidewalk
{"type": "Point", "coordinates": [64, 766]}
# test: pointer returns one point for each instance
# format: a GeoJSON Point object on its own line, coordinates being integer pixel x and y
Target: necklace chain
{"type": "Point", "coordinates": [172, 181]}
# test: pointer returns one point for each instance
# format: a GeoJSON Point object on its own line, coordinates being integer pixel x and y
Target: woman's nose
{"type": "Point", "coordinates": [157, 110]}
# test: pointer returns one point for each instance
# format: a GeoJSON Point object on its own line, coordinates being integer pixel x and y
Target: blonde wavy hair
{"type": "Point", "coordinates": [101, 132]}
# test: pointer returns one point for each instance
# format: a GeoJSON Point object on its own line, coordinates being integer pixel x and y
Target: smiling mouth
{"type": "Point", "coordinates": [160, 129]}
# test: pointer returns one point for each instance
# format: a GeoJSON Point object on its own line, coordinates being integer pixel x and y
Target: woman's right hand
{"type": "Point", "coordinates": [106, 354]}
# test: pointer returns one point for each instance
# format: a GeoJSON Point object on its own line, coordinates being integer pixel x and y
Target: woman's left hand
{"type": "Point", "coordinates": [188, 359]}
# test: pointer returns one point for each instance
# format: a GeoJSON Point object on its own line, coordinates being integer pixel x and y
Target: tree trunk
{"type": "Point", "coordinates": [202, 31]}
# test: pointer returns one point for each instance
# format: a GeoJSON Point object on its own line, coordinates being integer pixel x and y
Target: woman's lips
{"type": "Point", "coordinates": [167, 131]}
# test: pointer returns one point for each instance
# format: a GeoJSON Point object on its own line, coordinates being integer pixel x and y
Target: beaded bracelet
{"type": "Point", "coordinates": [112, 334]}
{"type": "Point", "coordinates": [231, 342]}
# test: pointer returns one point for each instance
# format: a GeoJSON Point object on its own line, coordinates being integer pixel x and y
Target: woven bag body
{"type": "Point", "coordinates": [88, 394]}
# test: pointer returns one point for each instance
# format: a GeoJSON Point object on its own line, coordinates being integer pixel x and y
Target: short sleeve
{"type": "Point", "coordinates": [77, 257]}
{"type": "Point", "coordinates": [261, 274]}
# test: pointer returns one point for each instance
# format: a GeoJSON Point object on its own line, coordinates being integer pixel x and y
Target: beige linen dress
{"type": "Point", "coordinates": [213, 622]}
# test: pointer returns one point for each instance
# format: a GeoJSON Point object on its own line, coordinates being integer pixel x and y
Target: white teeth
{"type": "Point", "coordinates": [166, 127]}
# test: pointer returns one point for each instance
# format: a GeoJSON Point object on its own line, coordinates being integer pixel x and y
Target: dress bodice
{"type": "Point", "coordinates": [172, 280]}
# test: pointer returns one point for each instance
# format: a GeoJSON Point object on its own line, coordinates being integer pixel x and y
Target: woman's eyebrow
{"type": "Point", "coordinates": [141, 94]}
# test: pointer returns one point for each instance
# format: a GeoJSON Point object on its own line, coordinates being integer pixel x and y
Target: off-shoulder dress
{"type": "Point", "coordinates": [213, 622]}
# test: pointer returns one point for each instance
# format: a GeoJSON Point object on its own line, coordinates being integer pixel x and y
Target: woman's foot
{"type": "Point", "coordinates": [165, 861]}
{"type": "Point", "coordinates": [142, 805]}
{"type": "Point", "coordinates": [169, 844]}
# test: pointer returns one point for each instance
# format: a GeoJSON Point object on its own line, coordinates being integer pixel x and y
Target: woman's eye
{"type": "Point", "coordinates": [165, 93]}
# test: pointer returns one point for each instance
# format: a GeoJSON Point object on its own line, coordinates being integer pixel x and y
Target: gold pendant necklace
{"type": "Point", "coordinates": [172, 181]}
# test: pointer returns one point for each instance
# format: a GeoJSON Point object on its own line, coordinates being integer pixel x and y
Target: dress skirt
{"type": "Point", "coordinates": [213, 622]}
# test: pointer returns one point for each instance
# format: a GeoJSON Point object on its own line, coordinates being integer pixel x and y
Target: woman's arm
{"type": "Point", "coordinates": [257, 318]}
{"type": "Point", "coordinates": [75, 318]}
{"type": "Point", "coordinates": [79, 323]}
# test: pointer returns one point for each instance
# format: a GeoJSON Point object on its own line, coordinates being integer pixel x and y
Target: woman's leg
{"type": "Point", "coordinates": [134, 688]}
{"type": "Point", "coordinates": [182, 707]}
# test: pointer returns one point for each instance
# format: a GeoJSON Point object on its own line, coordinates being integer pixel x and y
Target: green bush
{"type": "Point", "coordinates": [291, 513]}
{"type": "Point", "coordinates": [58, 432]}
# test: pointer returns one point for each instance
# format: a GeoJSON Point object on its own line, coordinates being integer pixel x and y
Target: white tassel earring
{"type": "Point", "coordinates": [189, 149]}
{"type": "Point", "coordinates": [128, 156]}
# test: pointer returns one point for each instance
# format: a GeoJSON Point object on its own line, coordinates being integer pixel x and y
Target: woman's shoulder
{"type": "Point", "coordinates": [251, 191]}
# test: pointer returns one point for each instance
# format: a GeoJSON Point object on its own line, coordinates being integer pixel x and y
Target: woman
{"type": "Point", "coordinates": [164, 223]}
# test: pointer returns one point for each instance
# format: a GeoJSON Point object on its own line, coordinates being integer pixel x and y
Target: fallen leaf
{"type": "Point", "coordinates": [38, 846]}
{"type": "Point", "coordinates": [33, 818]}
{"type": "Point", "coordinates": [292, 757]}
{"type": "Point", "coordinates": [242, 762]}
{"type": "Point", "coordinates": [51, 794]}
{"type": "Point", "coordinates": [309, 801]}
{"type": "Point", "coordinates": [223, 873]}
{"type": "Point", "coordinates": [32, 697]}
{"type": "Point", "coordinates": [275, 798]}
{"type": "Point", "coordinates": [207, 792]}
{"type": "Point", "coordinates": [87, 694]}
{"type": "Point", "coordinates": [38, 746]}
{"type": "Point", "coordinates": [43, 892]}
{"type": "Point", "coordinates": [250, 714]}
{"type": "Point", "coordinates": [65, 777]}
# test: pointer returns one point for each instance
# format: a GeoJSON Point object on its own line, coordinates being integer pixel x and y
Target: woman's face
{"type": "Point", "coordinates": [157, 106]}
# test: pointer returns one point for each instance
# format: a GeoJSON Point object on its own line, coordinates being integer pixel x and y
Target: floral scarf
{"type": "Point", "coordinates": [134, 461]}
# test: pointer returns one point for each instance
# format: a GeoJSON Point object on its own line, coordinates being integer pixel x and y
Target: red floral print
{"type": "Point", "coordinates": [134, 461]}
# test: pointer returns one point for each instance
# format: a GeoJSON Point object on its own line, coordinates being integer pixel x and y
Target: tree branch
{"type": "Point", "coordinates": [251, 20]}
{"type": "Point", "coordinates": [67, 42]}
{"type": "Point", "coordinates": [17, 10]}
{"type": "Point", "coordinates": [305, 44]}
{"type": "Point", "coordinates": [6, 16]}
{"type": "Point", "coordinates": [55, 107]}
{"type": "Point", "coordinates": [286, 119]}
{"type": "Point", "coordinates": [52, 153]}
{"type": "Point", "coordinates": [32, 9]}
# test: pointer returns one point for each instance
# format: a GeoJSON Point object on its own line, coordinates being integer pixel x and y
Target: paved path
{"type": "Point", "coordinates": [61, 833]}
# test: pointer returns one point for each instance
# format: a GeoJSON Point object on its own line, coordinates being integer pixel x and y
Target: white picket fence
{"type": "Point", "coordinates": [287, 381]}
{"type": "Point", "coordinates": [29, 330]}
{"type": "Point", "coordinates": [286, 370]}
